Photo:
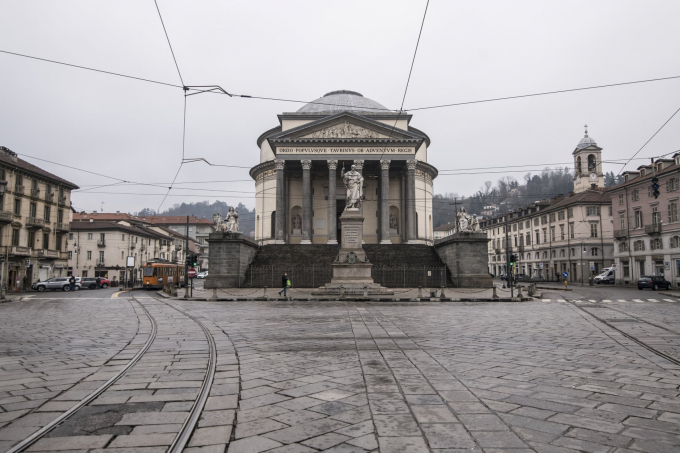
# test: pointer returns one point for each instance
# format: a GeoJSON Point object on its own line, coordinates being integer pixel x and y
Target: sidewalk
{"type": "Point", "coordinates": [399, 295]}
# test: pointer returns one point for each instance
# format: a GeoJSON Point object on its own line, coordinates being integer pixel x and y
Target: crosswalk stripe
{"type": "Point", "coordinates": [591, 300]}
{"type": "Point", "coordinates": [606, 300]}
{"type": "Point", "coordinates": [637, 300]}
{"type": "Point", "coordinates": [652, 300]}
{"type": "Point", "coordinates": [621, 300]}
{"type": "Point", "coordinates": [669, 300]}
{"type": "Point", "coordinates": [545, 300]}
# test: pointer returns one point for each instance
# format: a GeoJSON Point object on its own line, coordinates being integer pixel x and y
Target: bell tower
{"type": "Point", "coordinates": [587, 164]}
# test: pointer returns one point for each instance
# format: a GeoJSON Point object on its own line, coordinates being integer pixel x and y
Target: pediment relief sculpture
{"type": "Point", "coordinates": [345, 130]}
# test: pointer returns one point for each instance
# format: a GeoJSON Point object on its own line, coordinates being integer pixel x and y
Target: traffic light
{"type": "Point", "coordinates": [190, 260]}
{"type": "Point", "coordinates": [513, 258]}
{"type": "Point", "coordinates": [655, 187]}
{"type": "Point", "coordinates": [194, 260]}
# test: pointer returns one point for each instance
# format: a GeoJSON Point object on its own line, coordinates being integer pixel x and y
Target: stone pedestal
{"type": "Point", "coordinates": [230, 256]}
{"type": "Point", "coordinates": [352, 234]}
{"type": "Point", "coordinates": [466, 256]}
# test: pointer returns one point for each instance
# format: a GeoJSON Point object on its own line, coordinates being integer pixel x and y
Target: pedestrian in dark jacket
{"type": "Point", "coordinates": [72, 283]}
{"type": "Point", "coordinates": [284, 284]}
{"type": "Point", "coordinates": [99, 282]}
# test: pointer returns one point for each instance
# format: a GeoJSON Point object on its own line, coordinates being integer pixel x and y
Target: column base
{"type": "Point", "coordinates": [386, 241]}
{"type": "Point", "coordinates": [279, 241]}
{"type": "Point", "coordinates": [332, 241]}
{"type": "Point", "coordinates": [413, 241]}
{"type": "Point", "coordinates": [305, 242]}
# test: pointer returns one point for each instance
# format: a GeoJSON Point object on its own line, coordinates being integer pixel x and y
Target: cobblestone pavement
{"type": "Point", "coordinates": [346, 377]}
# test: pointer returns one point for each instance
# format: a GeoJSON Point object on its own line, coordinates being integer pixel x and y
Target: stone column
{"type": "Point", "coordinates": [402, 208]}
{"type": "Point", "coordinates": [306, 202]}
{"type": "Point", "coordinates": [332, 227]}
{"type": "Point", "coordinates": [280, 202]}
{"type": "Point", "coordinates": [385, 201]}
{"type": "Point", "coordinates": [411, 201]}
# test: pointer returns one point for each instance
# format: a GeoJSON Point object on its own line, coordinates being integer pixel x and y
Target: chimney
{"type": "Point", "coordinates": [117, 212]}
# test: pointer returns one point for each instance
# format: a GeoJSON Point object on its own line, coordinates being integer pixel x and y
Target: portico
{"type": "Point", "coordinates": [299, 193]}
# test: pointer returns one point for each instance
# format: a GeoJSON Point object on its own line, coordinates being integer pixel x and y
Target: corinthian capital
{"type": "Point", "coordinates": [411, 164]}
{"type": "Point", "coordinates": [332, 164]}
{"type": "Point", "coordinates": [385, 164]}
{"type": "Point", "coordinates": [280, 164]}
{"type": "Point", "coordinates": [306, 164]}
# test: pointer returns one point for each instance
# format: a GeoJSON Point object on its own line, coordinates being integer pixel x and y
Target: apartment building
{"type": "Point", "coordinates": [646, 229]}
{"type": "Point", "coordinates": [35, 213]}
{"type": "Point", "coordinates": [572, 233]}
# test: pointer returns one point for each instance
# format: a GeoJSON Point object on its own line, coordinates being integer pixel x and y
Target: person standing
{"type": "Point", "coordinates": [25, 282]}
{"type": "Point", "coordinates": [72, 283]}
{"type": "Point", "coordinates": [284, 284]}
{"type": "Point", "coordinates": [99, 282]}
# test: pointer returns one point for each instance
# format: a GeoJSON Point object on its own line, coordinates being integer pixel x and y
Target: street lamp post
{"type": "Point", "coordinates": [3, 187]}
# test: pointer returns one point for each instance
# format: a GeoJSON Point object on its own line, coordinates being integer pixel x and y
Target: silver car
{"type": "Point", "coordinates": [54, 284]}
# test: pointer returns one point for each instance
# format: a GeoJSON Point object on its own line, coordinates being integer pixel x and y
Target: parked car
{"type": "Point", "coordinates": [91, 282]}
{"type": "Point", "coordinates": [607, 276]}
{"type": "Point", "coordinates": [54, 284]}
{"type": "Point", "coordinates": [654, 282]}
{"type": "Point", "coordinates": [202, 274]}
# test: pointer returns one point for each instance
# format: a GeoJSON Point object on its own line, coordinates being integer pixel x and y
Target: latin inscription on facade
{"type": "Point", "coordinates": [351, 237]}
{"type": "Point", "coordinates": [371, 150]}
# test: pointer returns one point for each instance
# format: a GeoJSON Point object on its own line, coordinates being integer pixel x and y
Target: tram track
{"type": "Point", "coordinates": [188, 427]}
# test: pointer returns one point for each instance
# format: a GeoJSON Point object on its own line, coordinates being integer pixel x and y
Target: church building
{"type": "Point", "coordinates": [300, 194]}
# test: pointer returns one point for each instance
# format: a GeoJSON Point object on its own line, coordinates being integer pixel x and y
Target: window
{"type": "Point", "coordinates": [122, 256]}
{"type": "Point", "coordinates": [2, 202]}
{"type": "Point", "coordinates": [672, 185]}
{"type": "Point", "coordinates": [570, 213]}
{"type": "Point", "coordinates": [639, 246]}
{"type": "Point", "coordinates": [673, 211]}
{"type": "Point", "coordinates": [101, 257]}
{"type": "Point", "coordinates": [31, 239]}
{"type": "Point", "coordinates": [675, 242]}
{"type": "Point", "coordinates": [622, 221]}
{"type": "Point", "coordinates": [46, 213]}
{"type": "Point", "coordinates": [17, 206]}
{"type": "Point", "coordinates": [656, 244]}
{"type": "Point", "coordinates": [515, 240]}
{"type": "Point", "coordinates": [514, 227]}
{"type": "Point", "coordinates": [623, 247]}
{"type": "Point", "coordinates": [593, 210]}
{"type": "Point", "coordinates": [89, 254]}
{"type": "Point", "coordinates": [656, 216]}
{"type": "Point", "coordinates": [552, 217]}
{"type": "Point", "coordinates": [560, 215]}
{"type": "Point", "coordinates": [593, 230]}
{"type": "Point", "coordinates": [573, 252]}
{"type": "Point", "coordinates": [102, 237]}
{"type": "Point", "coordinates": [635, 195]}
{"type": "Point", "coordinates": [649, 191]}
{"type": "Point", "coordinates": [553, 253]}
{"type": "Point", "coordinates": [544, 219]}
{"type": "Point", "coordinates": [70, 236]}
{"type": "Point", "coordinates": [32, 208]}
{"type": "Point", "coordinates": [620, 198]}
{"type": "Point", "coordinates": [528, 240]}
{"type": "Point", "coordinates": [89, 236]}
{"type": "Point", "coordinates": [521, 226]}
{"type": "Point", "coordinates": [626, 269]}
{"type": "Point", "coordinates": [562, 232]}
{"type": "Point", "coordinates": [46, 241]}
{"type": "Point", "coordinates": [20, 180]}
{"type": "Point", "coordinates": [571, 230]}
{"type": "Point", "coordinates": [562, 253]}
{"type": "Point", "coordinates": [69, 255]}
{"type": "Point", "coordinates": [545, 235]}
{"type": "Point", "coordinates": [60, 239]}
{"type": "Point", "coordinates": [610, 211]}
{"type": "Point", "coordinates": [552, 233]}
{"type": "Point", "coordinates": [638, 219]}
{"type": "Point", "coordinates": [60, 216]}
{"type": "Point", "coordinates": [538, 238]}
{"type": "Point", "coordinates": [545, 255]}
{"type": "Point", "coordinates": [538, 256]}
{"type": "Point", "coordinates": [593, 251]}
{"type": "Point", "coordinates": [527, 224]}
{"type": "Point", "coordinates": [15, 237]}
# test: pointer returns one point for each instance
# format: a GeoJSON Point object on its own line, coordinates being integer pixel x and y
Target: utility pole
{"type": "Point", "coordinates": [186, 263]}
{"type": "Point", "coordinates": [508, 268]}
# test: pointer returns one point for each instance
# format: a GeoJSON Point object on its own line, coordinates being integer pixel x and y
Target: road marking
{"type": "Point", "coordinates": [115, 295]}
{"type": "Point", "coordinates": [669, 300]}
{"type": "Point", "coordinates": [652, 300]}
{"type": "Point", "coordinates": [545, 300]}
{"type": "Point", "coordinates": [591, 300]}
{"type": "Point", "coordinates": [621, 300]}
{"type": "Point", "coordinates": [606, 300]}
{"type": "Point", "coordinates": [637, 300]}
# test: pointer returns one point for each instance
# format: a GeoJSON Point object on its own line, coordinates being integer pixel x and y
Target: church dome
{"type": "Point", "coordinates": [342, 101]}
{"type": "Point", "coordinates": [586, 142]}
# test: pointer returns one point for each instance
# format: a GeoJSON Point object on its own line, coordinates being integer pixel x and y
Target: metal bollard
{"type": "Point", "coordinates": [265, 292]}
{"type": "Point", "coordinates": [342, 292]}
{"type": "Point", "coordinates": [365, 290]}
{"type": "Point", "coordinates": [441, 294]}
{"type": "Point", "coordinates": [519, 292]}
{"type": "Point", "coordinates": [530, 290]}
{"type": "Point", "coordinates": [495, 296]}
{"type": "Point", "coordinates": [420, 292]}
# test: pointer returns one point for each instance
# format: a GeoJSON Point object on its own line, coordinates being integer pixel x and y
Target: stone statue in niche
{"type": "Point", "coordinates": [232, 220]}
{"type": "Point", "coordinates": [297, 224]}
{"type": "Point", "coordinates": [354, 184]}
{"type": "Point", "coordinates": [393, 221]}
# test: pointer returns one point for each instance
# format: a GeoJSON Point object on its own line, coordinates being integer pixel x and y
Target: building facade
{"type": "Point", "coordinates": [35, 214]}
{"type": "Point", "coordinates": [646, 229]}
{"type": "Point", "coordinates": [572, 233]}
{"type": "Point", "coordinates": [299, 191]}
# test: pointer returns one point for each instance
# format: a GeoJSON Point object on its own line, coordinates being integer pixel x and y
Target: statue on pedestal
{"type": "Point", "coordinates": [297, 223]}
{"type": "Point", "coordinates": [232, 221]}
{"type": "Point", "coordinates": [354, 184]}
{"type": "Point", "coordinates": [219, 225]}
{"type": "Point", "coordinates": [393, 221]}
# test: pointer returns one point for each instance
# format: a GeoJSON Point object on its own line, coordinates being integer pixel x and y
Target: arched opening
{"type": "Point", "coordinates": [296, 221]}
{"type": "Point", "coordinates": [578, 165]}
{"type": "Point", "coordinates": [394, 221]}
{"type": "Point", "coordinates": [592, 164]}
{"type": "Point", "coordinates": [272, 233]}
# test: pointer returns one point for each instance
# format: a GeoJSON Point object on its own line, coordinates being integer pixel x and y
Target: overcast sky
{"type": "Point", "coordinates": [132, 130]}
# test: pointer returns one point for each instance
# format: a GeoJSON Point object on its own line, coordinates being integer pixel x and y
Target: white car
{"type": "Point", "coordinates": [202, 274]}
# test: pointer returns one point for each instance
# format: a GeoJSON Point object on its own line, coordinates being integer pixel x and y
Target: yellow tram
{"type": "Point", "coordinates": [156, 274]}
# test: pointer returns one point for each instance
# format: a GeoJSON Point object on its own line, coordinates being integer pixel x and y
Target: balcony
{"type": "Point", "coordinates": [19, 190]}
{"type": "Point", "coordinates": [6, 217]}
{"type": "Point", "coordinates": [142, 248]}
{"type": "Point", "coordinates": [653, 230]}
{"type": "Point", "coordinates": [178, 247]}
{"type": "Point", "coordinates": [49, 197]}
{"type": "Point", "coordinates": [101, 243]}
{"type": "Point", "coordinates": [63, 227]}
{"type": "Point", "coordinates": [497, 251]}
{"type": "Point", "coordinates": [520, 248]}
{"type": "Point", "coordinates": [62, 200]}
{"type": "Point", "coordinates": [133, 245]}
{"type": "Point", "coordinates": [48, 253]}
{"type": "Point", "coordinates": [20, 251]}
{"type": "Point", "coordinates": [34, 222]}
{"type": "Point", "coordinates": [620, 234]}
{"type": "Point", "coordinates": [35, 193]}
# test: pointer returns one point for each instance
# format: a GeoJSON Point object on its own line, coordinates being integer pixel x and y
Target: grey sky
{"type": "Point", "coordinates": [303, 49]}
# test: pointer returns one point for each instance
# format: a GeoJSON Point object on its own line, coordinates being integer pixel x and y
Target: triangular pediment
{"type": "Point", "coordinates": [344, 126]}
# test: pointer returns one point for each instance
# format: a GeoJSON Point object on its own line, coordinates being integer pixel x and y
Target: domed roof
{"type": "Point", "coordinates": [586, 141]}
{"type": "Point", "coordinates": [342, 101]}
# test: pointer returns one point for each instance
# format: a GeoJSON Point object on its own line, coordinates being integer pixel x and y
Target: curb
{"type": "Point", "coordinates": [676, 296]}
{"type": "Point", "coordinates": [347, 299]}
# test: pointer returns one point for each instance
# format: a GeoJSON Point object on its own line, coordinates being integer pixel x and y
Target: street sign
{"type": "Point", "coordinates": [592, 267]}
{"type": "Point", "coordinates": [28, 263]}
{"type": "Point", "coordinates": [192, 273]}
{"type": "Point", "coordinates": [565, 274]}
{"type": "Point", "coordinates": [540, 265]}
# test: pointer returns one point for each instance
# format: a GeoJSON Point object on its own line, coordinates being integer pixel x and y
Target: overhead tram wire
{"type": "Point", "coordinates": [169, 44]}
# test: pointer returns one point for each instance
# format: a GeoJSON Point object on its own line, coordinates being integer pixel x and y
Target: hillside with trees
{"type": "Point", "coordinates": [205, 210]}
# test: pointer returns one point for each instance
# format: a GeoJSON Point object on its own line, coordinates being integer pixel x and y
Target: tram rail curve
{"type": "Point", "coordinates": [184, 435]}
